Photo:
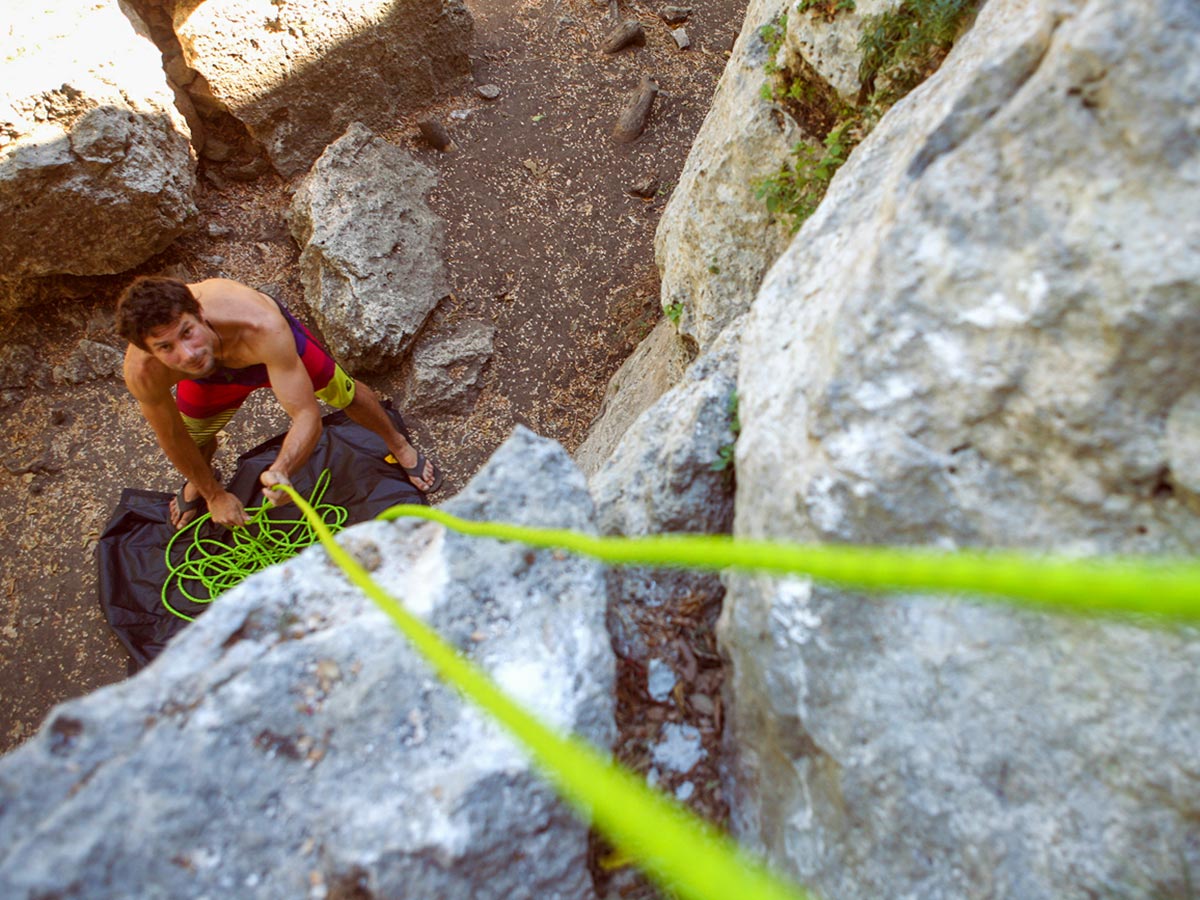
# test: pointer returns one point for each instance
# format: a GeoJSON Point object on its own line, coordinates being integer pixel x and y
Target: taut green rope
{"type": "Point", "coordinates": [210, 565]}
{"type": "Point", "coordinates": [1168, 589]}
{"type": "Point", "coordinates": [684, 853]}
{"type": "Point", "coordinates": [681, 851]}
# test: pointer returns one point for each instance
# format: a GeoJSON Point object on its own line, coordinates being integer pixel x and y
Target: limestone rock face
{"type": "Point", "coordinates": [830, 47]}
{"type": "Point", "coordinates": [96, 172]}
{"type": "Point", "coordinates": [716, 238]}
{"type": "Point", "coordinates": [657, 363]}
{"type": "Point", "coordinates": [666, 475]}
{"type": "Point", "coordinates": [661, 476]}
{"type": "Point", "coordinates": [370, 248]}
{"type": "Point", "coordinates": [298, 73]}
{"type": "Point", "coordinates": [987, 335]}
{"type": "Point", "coordinates": [291, 743]}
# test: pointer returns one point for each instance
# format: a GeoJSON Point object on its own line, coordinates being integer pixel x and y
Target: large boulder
{"type": "Point", "coordinates": [984, 337]}
{"type": "Point", "coordinates": [298, 73]}
{"type": "Point", "coordinates": [370, 248]}
{"type": "Point", "coordinates": [716, 237]}
{"type": "Point", "coordinates": [96, 171]}
{"type": "Point", "coordinates": [291, 743]}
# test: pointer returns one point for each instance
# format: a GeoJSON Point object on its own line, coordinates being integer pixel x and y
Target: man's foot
{"type": "Point", "coordinates": [424, 475]}
{"type": "Point", "coordinates": [185, 511]}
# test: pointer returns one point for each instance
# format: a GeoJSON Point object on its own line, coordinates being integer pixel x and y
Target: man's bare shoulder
{"type": "Point", "coordinates": [224, 297]}
{"type": "Point", "coordinates": [146, 377]}
{"type": "Point", "coordinates": [249, 321]}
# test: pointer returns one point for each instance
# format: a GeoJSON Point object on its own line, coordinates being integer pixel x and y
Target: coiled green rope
{"type": "Point", "coordinates": [206, 565]}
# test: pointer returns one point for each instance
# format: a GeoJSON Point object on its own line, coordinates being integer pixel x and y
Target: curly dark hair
{"type": "Point", "coordinates": [151, 302]}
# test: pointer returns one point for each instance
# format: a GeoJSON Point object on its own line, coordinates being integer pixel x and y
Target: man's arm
{"type": "Point", "coordinates": [294, 390]}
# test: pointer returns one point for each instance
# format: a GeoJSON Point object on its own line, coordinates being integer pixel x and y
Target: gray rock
{"type": "Point", "coordinates": [89, 361]}
{"type": "Point", "coordinates": [680, 35]}
{"type": "Point", "coordinates": [1182, 441]}
{"type": "Point", "coordinates": [661, 478]}
{"type": "Point", "coordinates": [291, 743]}
{"type": "Point", "coordinates": [657, 363]}
{"type": "Point", "coordinates": [370, 248]}
{"type": "Point", "coordinates": [978, 340]}
{"type": "Point", "coordinates": [21, 367]}
{"type": "Point", "coordinates": [442, 375]}
{"type": "Point", "coordinates": [660, 679]}
{"type": "Point", "coordinates": [716, 238]}
{"type": "Point", "coordinates": [297, 74]}
{"type": "Point", "coordinates": [488, 91]}
{"type": "Point", "coordinates": [675, 15]}
{"type": "Point", "coordinates": [96, 172]}
{"type": "Point", "coordinates": [830, 46]}
{"type": "Point", "coordinates": [680, 748]}
{"type": "Point", "coordinates": [434, 134]}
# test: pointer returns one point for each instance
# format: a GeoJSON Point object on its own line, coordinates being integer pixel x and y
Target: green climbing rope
{"type": "Point", "coordinates": [685, 854]}
{"type": "Point", "coordinates": [1159, 588]}
{"type": "Point", "coordinates": [201, 566]}
{"type": "Point", "coordinates": [681, 851]}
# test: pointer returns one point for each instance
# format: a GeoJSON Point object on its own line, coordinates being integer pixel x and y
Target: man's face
{"type": "Point", "coordinates": [187, 345]}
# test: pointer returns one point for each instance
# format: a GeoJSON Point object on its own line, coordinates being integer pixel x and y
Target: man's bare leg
{"type": "Point", "coordinates": [190, 493]}
{"type": "Point", "coordinates": [367, 411]}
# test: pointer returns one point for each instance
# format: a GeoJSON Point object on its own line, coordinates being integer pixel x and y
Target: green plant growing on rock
{"type": "Point", "coordinates": [674, 312]}
{"type": "Point", "coordinates": [725, 454]}
{"type": "Point", "coordinates": [904, 46]}
{"type": "Point", "coordinates": [772, 34]}
{"type": "Point", "coordinates": [901, 48]}
{"type": "Point", "coordinates": [795, 191]}
{"type": "Point", "coordinates": [825, 9]}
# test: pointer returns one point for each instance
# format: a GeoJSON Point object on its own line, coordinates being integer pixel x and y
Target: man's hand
{"type": "Point", "coordinates": [227, 510]}
{"type": "Point", "coordinates": [270, 478]}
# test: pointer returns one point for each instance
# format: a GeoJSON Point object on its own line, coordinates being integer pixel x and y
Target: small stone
{"type": "Point", "coordinates": [218, 231]}
{"type": "Point", "coordinates": [681, 38]}
{"type": "Point", "coordinates": [684, 791]}
{"type": "Point", "coordinates": [435, 135]}
{"type": "Point", "coordinates": [680, 749]}
{"type": "Point", "coordinates": [460, 115]}
{"type": "Point", "coordinates": [488, 91]}
{"type": "Point", "coordinates": [660, 679]}
{"type": "Point", "coordinates": [702, 704]}
{"type": "Point", "coordinates": [250, 171]}
{"type": "Point", "coordinates": [216, 150]}
{"type": "Point", "coordinates": [675, 15]}
{"type": "Point", "coordinates": [645, 187]}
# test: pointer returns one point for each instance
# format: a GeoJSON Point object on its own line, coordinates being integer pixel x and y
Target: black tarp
{"type": "Point", "coordinates": [131, 552]}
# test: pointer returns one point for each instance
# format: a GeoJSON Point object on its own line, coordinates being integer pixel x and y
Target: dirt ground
{"type": "Point", "coordinates": [545, 239]}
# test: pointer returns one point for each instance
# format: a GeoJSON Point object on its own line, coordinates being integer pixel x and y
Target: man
{"type": "Point", "coordinates": [215, 341]}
